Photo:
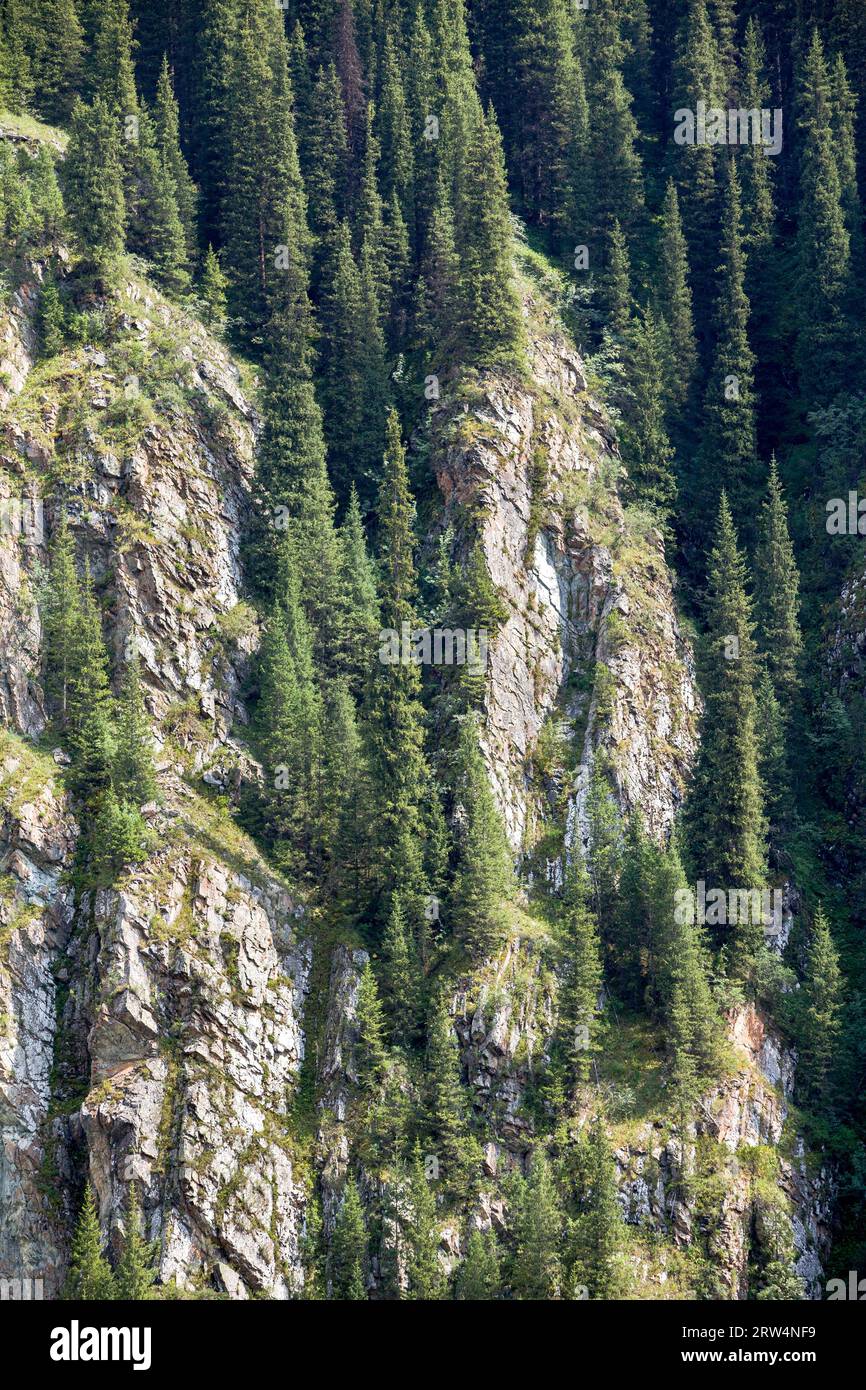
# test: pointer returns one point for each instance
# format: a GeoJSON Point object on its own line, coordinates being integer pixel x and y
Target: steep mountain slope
{"type": "Point", "coordinates": [156, 1031]}
{"type": "Point", "coordinates": [153, 1031]}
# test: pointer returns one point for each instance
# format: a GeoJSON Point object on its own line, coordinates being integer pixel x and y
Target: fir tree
{"type": "Point", "coordinates": [52, 320]}
{"type": "Point", "coordinates": [437, 291]}
{"type": "Point", "coordinates": [135, 1272]}
{"type": "Point", "coordinates": [90, 1276]}
{"type": "Point", "coordinates": [116, 837]}
{"type": "Point", "coordinates": [93, 177]}
{"type": "Point", "coordinates": [680, 996]}
{"type": "Point", "coordinates": [488, 321]}
{"type": "Point", "coordinates": [646, 446]}
{"type": "Point", "coordinates": [696, 78]}
{"type": "Point", "coordinates": [16, 78]}
{"type": "Point", "coordinates": [394, 712]}
{"type": "Point", "coordinates": [582, 976]}
{"type": "Point", "coordinates": [617, 193]}
{"type": "Point", "coordinates": [537, 1269]}
{"type": "Point", "coordinates": [342, 764]}
{"type": "Point", "coordinates": [777, 584]}
{"type": "Point", "coordinates": [16, 207]}
{"type": "Point", "coordinates": [212, 290]}
{"type": "Point", "coordinates": [312, 1253]}
{"type": "Point", "coordinates": [632, 933]}
{"type": "Point", "coordinates": [843, 114]}
{"type": "Point", "coordinates": [401, 973]}
{"type": "Point", "coordinates": [727, 798]}
{"type": "Point", "coordinates": [446, 1100]}
{"type": "Point", "coordinates": [133, 770]}
{"type": "Point", "coordinates": [154, 226]}
{"type": "Point", "coordinates": [394, 131]}
{"type": "Point", "coordinates": [755, 165]}
{"type": "Point", "coordinates": [360, 623]}
{"type": "Point", "coordinates": [215, 41]}
{"type": "Point", "coordinates": [166, 118]}
{"type": "Point", "coordinates": [545, 88]}
{"type": "Point", "coordinates": [823, 242]}
{"type": "Point", "coordinates": [57, 52]}
{"type": "Point", "coordinates": [729, 454]}
{"type": "Point", "coordinates": [264, 203]}
{"type": "Point", "coordinates": [88, 700]}
{"type": "Point", "coordinates": [325, 169]}
{"type": "Point", "coordinates": [352, 372]}
{"type": "Point", "coordinates": [478, 1277]}
{"type": "Point", "coordinates": [674, 300]}
{"type": "Point", "coordinates": [772, 757]}
{"type": "Point", "coordinates": [601, 1227]}
{"type": "Point", "coordinates": [818, 1014]}
{"type": "Point", "coordinates": [369, 225]}
{"type": "Point", "coordinates": [48, 218]}
{"type": "Point", "coordinates": [425, 1273]}
{"type": "Point", "coordinates": [112, 69]}
{"type": "Point", "coordinates": [605, 848]}
{"type": "Point", "coordinates": [370, 1019]}
{"type": "Point", "coordinates": [617, 282]}
{"type": "Point", "coordinates": [483, 876]}
{"type": "Point", "coordinates": [348, 1263]}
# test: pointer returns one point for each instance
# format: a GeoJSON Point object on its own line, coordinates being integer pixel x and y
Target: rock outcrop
{"type": "Point", "coordinates": [591, 639]}
{"type": "Point", "coordinates": [154, 1033]}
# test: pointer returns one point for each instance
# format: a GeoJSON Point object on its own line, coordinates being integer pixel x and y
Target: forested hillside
{"type": "Point", "coordinates": [432, 648]}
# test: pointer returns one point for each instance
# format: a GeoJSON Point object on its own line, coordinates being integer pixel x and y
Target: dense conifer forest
{"type": "Point", "coordinates": [382, 213]}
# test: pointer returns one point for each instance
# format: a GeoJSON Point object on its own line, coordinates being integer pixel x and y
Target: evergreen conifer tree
{"type": "Point", "coordinates": [674, 300]}
{"type": "Point", "coordinates": [88, 700]}
{"type": "Point", "coordinates": [729, 455]}
{"type": "Point", "coordinates": [133, 770]}
{"type": "Point", "coordinates": [446, 1100]}
{"type": "Point", "coordinates": [394, 713]}
{"type": "Point", "coordinates": [823, 240]}
{"type": "Point", "coordinates": [818, 1014]}
{"type": "Point", "coordinates": [348, 1263]}
{"type": "Point", "coordinates": [370, 1049]}
{"type": "Point", "coordinates": [727, 816]}
{"type": "Point", "coordinates": [478, 1277]}
{"type": "Point", "coordinates": [777, 584]}
{"type": "Point", "coordinates": [582, 975]}
{"type": "Point", "coordinates": [135, 1272]}
{"type": "Point", "coordinates": [90, 1276]}
{"type": "Point", "coordinates": [425, 1273]}
{"type": "Point", "coordinates": [93, 178]}
{"type": "Point", "coordinates": [212, 290]}
{"type": "Point", "coordinates": [601, 1226]}
{"type": "Point", "coordinates": [483, 877]}
{"type": "Point", "coordinates": [166, 118]}
{"type": "Point", "coordinates": [537, 1269]}
{"type": "Point", "coordinates": [57, 50]}
{"type": "Point", "coordinates": [488, 321]}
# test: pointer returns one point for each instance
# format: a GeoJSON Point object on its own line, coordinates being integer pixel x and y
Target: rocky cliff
{"type": "Point", "coordinates": [591, 642]}
{"type": "Point", "coordinates": [152, 1033]}
{"type": "Point", "coordinates": [156, 1032]}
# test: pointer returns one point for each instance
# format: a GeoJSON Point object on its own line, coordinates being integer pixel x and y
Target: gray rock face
{"type": "Point", "coordinates": [37, 836]}
{"type": "Point", "coordinates": [337, 1076]}
{"type": "Point", "coordinates": [193, 1012]}
{"type": "Point", "coordinates": [163, 514]}
{"type": "Point", "coordinates": [504, 1023]}
{"type": "Point", "coordinates": [173, 1061]}
{"type": "Point", "coordinates": [591, 636]}
{"type": "Point", "coordinates": [153, 1034]}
